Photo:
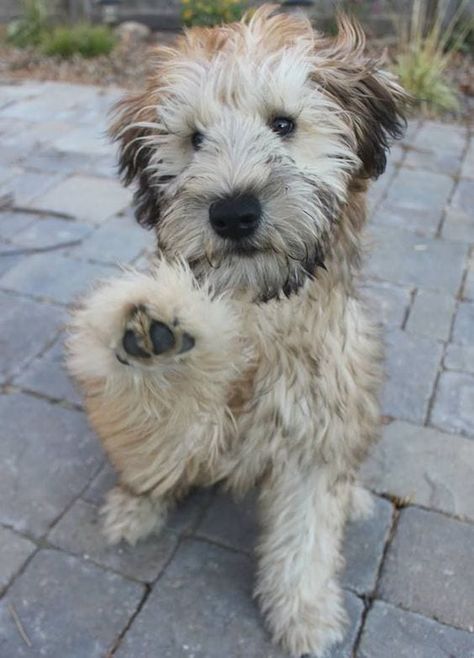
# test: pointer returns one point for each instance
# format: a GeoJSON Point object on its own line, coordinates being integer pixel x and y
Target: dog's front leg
{"type": "Point", "coordinates": [155, 356]}
{"type": "Point", "coordinates": [303, 516]}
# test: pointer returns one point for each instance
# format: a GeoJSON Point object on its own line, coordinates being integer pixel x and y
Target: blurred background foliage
{"type": "Point", "coordinates": [36, 28]}
{"type": "Point", "coordinates": [427, 43]}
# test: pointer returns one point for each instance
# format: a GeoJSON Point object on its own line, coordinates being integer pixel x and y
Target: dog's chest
{"type": "Point", "coordinates": [279, 388]}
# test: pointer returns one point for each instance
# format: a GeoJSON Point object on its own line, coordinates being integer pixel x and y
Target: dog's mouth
{"type": "Point", "coordinates": [259, 275]}
{"type": "Point", "coordinates": [230, 253]}
{"type": "Point", "coordinates": [243, 248]}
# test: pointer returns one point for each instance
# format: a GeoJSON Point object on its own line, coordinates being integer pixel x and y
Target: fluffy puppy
{"type": "Point", "coordinates": [246, 356]}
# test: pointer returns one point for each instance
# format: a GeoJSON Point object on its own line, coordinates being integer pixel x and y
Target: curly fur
{"type": "Point", "coordinates": [272, 374]}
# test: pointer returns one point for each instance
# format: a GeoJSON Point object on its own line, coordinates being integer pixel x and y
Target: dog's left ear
{"type": "Point", "coordinates": [374, 101]}
{"type": "Point", "coordinates": [130, 128]}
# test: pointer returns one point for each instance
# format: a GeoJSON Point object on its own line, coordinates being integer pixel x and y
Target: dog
{"type": "Point", "coordinates": [246, 356]}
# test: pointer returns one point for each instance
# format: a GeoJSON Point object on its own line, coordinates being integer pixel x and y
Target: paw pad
{"type": "Point", "coordinates": [162, 337]}
{"type": "Point", "coordinates": [145, 337]}
{"type": "Point", "coordinates": [131, 346]}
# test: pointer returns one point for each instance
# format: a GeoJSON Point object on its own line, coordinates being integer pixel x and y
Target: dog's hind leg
{"type": "Point", "coordinates": [303, 516]}
{"type": "Point", "coordinates": [155, 356]}
{"type": "Point", "coordinates": [130, 517]}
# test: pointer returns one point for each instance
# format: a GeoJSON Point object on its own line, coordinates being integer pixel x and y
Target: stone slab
{"type": "Point", "coordinates": [51, 232]}
{"type": "Point", "coordinates": [459, 222]}
{"type": "Point", "coordinates": [58, 101]}
{"type": "Point", "coordinates": [30, 136]}
{"type": "Point", "coordinates": [468, 290]}
{"type": "Point", "coordinates": [51, 451]}
{"type": "Point", "coordinates": [47, 159]}
{"type": "Point", "coordinates": [117, 241]}
{"type": "Point", "coordinates": [364, 545]}
{"type": "Point", "coordinates": [105, 479]}
{"type": "Point", "coordinates": [425, 466]}
{"type": "Point", "coordinates": [8, 257]}
{"type": "Point", "coordinates": [6, 172]}
{"type": "Point", "coordinates": [188, 512]}
{"type": "Point", "coordinates": [231, 523]}
{"type": "Point", "coordinates": [429, 567]}
{"type": "Point", "coordinates": [431, 314]}
{"type": "Point", "coordinates": [23, 188]}
{"type": "Point", "coordinates": [26, 328]}
{"type": "Point", "coordinates": [47, 375]}
{"type": "Point", "coordinates": [467, 170]}
{"type": "Point", "coordinates": [453, 407]}
{"type": "Point", "coordinates": [393, 633]}
{"type": "Point", "coordinates": [12, 223]}
{"type": "Point", "coordinates": [415, 201]}
{"type": "Point", "coordinates": [14, 551]}
{"type": "Point", "coordinates": [86, 198]}
{"type": "Point", "coordinates": [85, 140]}
{"type": "Point", "coordinates": [463, 329]}
{"type": "Point", "coordinates": [204, 590]}
{"type": "Point", "coordinates": [407, 259]}
{"type": "Point", "coordinates": [459, 357]}
{"type": "Point", "coordinates": [412, 129]}
{"type": "Point", "coordinates": [16, 91]}
{"type": "Point", "coordinates": [378, 189]}
{"type": "Point", "coordinates": [66, 608]}
{"type": "Point", "coordinates": [55, 278]}
{"type": "Point", "coordinates": [79, 531]}
{"type": "Point", "coordinates": [387, 302]}
{"type": "Point", "coordinates": [437, 147]}
{"type": "Point", "coordinates": [411, 365]}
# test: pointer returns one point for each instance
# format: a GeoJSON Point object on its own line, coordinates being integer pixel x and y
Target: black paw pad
{"type": "Point", "coordinates": [187, 343]}
{"type": "Point", "coordinates": [162, 337]}
{"type": "Point", "coordinates": [131, 346]}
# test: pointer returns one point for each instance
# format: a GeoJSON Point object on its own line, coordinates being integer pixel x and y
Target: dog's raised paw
{"type": "Point", "coordinates": [145, 336]}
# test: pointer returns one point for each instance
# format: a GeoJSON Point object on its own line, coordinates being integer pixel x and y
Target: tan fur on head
{"type": "Point", "coordinates": [247, 358]}
{"type": "Point", "coordinates": [228, 83]}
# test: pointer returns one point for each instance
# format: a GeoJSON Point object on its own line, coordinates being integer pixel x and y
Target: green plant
{"type": "Point", "coordinates": [29, 30]}
{"type": "Point", "coordinates": [462, 38]}
{"type": "Point", "coordinates": [427, 43]}
{"type": "Point", "coordinates": [212, 12]}
{"type": "Point", "coordinates": [82, 39]}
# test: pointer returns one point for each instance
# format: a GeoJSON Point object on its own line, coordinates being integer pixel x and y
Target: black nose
{"type": "Point", "coordinates": [235, 217]}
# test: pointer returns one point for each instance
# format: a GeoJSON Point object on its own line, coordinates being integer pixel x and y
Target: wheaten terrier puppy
{"type": "Point", "coordinates": [246, 357]}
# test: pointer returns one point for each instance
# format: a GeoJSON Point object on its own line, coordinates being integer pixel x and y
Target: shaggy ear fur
{"type": "Point", "coordinates": [129, 129]}
{"type": "Point", "coordinates": [373, 99]}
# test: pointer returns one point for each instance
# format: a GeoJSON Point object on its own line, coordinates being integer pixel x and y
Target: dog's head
{"type": "Point", "coordinates": [246, 142]}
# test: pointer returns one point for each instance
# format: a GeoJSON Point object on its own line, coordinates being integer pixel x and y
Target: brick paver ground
{"type": "Point", "coordinates": [409, 578]}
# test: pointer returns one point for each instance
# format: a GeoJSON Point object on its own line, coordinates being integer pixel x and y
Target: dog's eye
{"type": "Point", "coordinates": [282, 126]}
{"type": "Point", "coordinates": [197, 140]}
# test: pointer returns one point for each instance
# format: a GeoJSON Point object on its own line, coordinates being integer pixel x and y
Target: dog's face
{"type": "Point", "coordinates": [246, 141]}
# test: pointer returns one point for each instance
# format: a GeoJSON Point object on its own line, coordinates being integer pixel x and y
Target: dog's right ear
{"type": "Point", "coordinates": [372, 99]}
{"type": "Point", "coordinates": [129, 129]}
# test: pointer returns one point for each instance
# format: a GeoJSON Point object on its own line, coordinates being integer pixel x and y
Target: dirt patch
{"type": "Point", "coordinates": [127, 66]}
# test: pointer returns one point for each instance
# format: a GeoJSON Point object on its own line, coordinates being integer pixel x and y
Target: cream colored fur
{"type": "Point", "coordinates": [279, 394]}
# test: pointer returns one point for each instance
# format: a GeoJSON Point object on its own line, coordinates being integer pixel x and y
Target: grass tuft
{"type": "Point", "coordinates": [427, 43]}
{"type": "Point", "coordinates": [30, 28]}
{"type": "Point", "coordinates": [82, 39]}
{"type": "Point", "coordinates": [212, 12]}
{"type": "Point", "coordinates": [34, 30]}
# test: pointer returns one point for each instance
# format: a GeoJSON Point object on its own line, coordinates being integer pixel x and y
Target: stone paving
{"type": "Point", "coordinates": [409, 579]}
